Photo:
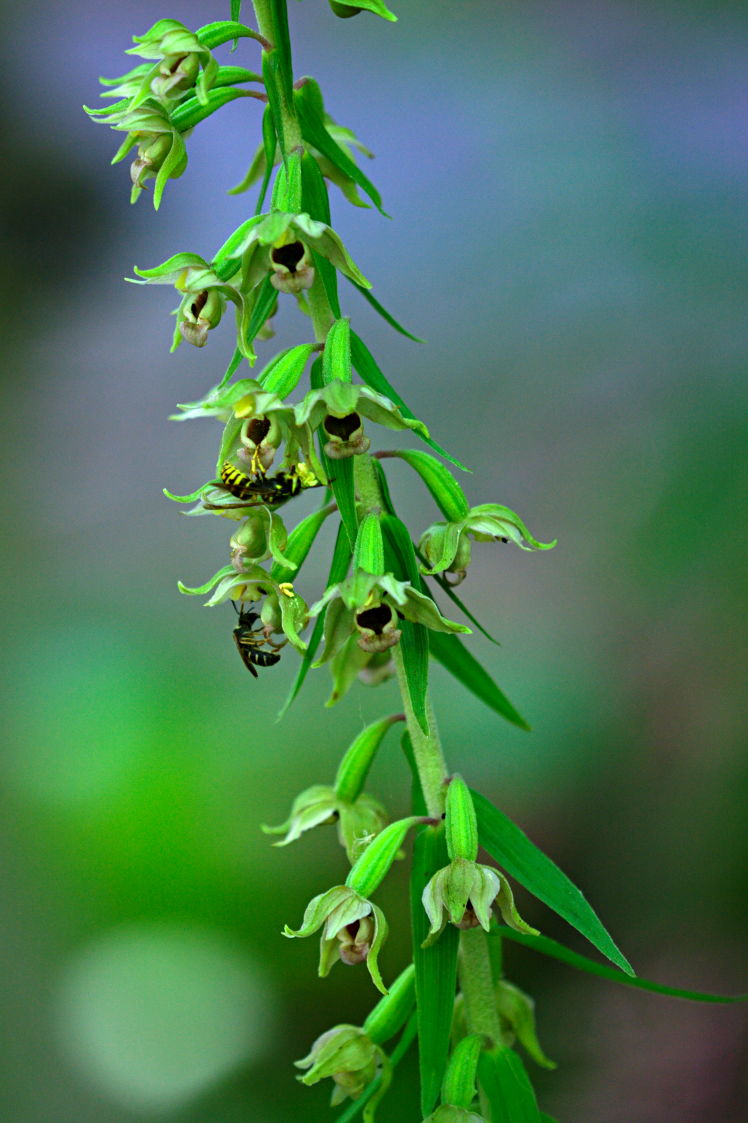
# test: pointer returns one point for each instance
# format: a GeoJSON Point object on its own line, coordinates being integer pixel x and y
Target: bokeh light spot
{"type": "Point", "coordinates": [154, 1014]}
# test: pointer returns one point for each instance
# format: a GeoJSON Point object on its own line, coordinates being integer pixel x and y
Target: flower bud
{"type": "Point", "coordinates": [448, 1113]}
{"type": "Point", "coordinates": [461, 822]}
{"type": "Point", "coordinates": [392, 1011]}
{"type": "Point", "coordinates": [250, 542]}
{"type": "Point", "coordinates": [176, 75]}
{"type": "Point", "coordinates": [458, 1089]}
{"type": "Point", "coordinates": [373, 865]}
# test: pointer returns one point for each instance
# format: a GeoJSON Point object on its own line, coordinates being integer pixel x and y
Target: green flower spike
{"type": "Point", "coordinates": [354, 929]}
{"type": "Point", "coordinates": [359, 817]}
{"type": "Point", "coordinates": [463, 892]}
{"type": "Point", "coordinates": [349, 1056]}
{"type": "Point", "coordinates": [370, 606]}
{"type": "Point", "coordinates": [446, 545]}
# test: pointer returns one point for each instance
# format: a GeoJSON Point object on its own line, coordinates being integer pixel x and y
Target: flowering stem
{"type": "Point", "coordinates": [476, 983]}
{"type": "Point", "coordinates": [427, 749]}
{"type": "Point", "coordinates": [288, 123]}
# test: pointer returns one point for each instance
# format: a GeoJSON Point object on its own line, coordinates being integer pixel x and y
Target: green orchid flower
{"type": "Point", "coordinates": [463, 894]}
{"type": "Point", "coordinates": [339, 408]}
{"type": "Point", "coordinates": [370, 606]}
{"type": "Point", "coordinates": [446, 545]}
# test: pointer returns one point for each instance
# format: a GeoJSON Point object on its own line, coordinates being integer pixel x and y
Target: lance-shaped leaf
{"type": "Point", "coordinates": [386, 316]}
{"type": "Point", "coordinates": [514, 851]}
{"type": "Point", "coordinates": [447, 493]}
{"type": "Point", "coordinates": [300, 542]}
{"type": "Point", "coordinates": [311, 114]}
{"type": "Point", "coordinates": [367, 368]}
{"type": "Point", "coordinates": [547, 946]}
{"type": "Point", "coordinates": [436, 971]}
{"type": "Point", "coordinates": [341, 560]}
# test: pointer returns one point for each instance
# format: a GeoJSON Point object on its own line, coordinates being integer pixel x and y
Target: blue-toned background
{"type": "Point", "coordinates": [568, 189]}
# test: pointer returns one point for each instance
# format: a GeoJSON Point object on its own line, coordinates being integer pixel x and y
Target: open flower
{"type": "Point", "coordinates": [463, 893]}
{"type": "Point", "coordinates": [370, 606]}
{"type": "Point", "coordinates": [358, 820]}
{"type": "Point", "coordinates": [281, 245]}
{"type": "Point", "coordinates": [340, 407]}
{"type": "Point", "coordinates": [446, 545]}
{"type": "Point", "coordinates": [353, 930]}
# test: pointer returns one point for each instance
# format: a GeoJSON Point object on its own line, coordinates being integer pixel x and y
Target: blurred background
{"type": "Point", "coordinates": [567, 186]}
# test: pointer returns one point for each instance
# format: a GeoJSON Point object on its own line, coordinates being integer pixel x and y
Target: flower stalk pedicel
{"type": "Point", "coordinates": [380, 615]}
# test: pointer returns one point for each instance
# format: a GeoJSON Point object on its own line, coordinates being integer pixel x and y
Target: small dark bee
{"type": "Point", "coordinates": [259, 490]}
{"type": "Point", "coordinates": [255, 649]}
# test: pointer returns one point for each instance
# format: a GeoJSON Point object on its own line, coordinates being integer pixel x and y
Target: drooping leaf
{"type": "Point", "coordinates": [341, 559]}
{"type": "Point", "coordinates": [507, 1086]}
{"type": "Point", "coordinates": [448, 589]}
{"type": "Point", "coordinates": [445, 490]}
{"type": "Point", "coordinates": [546, 946]}
{"type": "Point", "coordinates": [514, 852]}
{"type": "Point", "coordinates": [338, 472]}
{"type": "Point", "coordinates": [282, 42]}
{"type": "Point", "coordinates": [436, 970]}
{"type": "Point", "coordinates": [263, 307]}
{"type": "Point", "coordinates": [454, 656]}
{"type": "Point", "coordinates": [310, 110]}
{"type": "Point", "coordinates": [273, 80]}
{"type": "Point", "coordinates": [231, 369]}
{"type": "Point", "coordinates": [369, 371]}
